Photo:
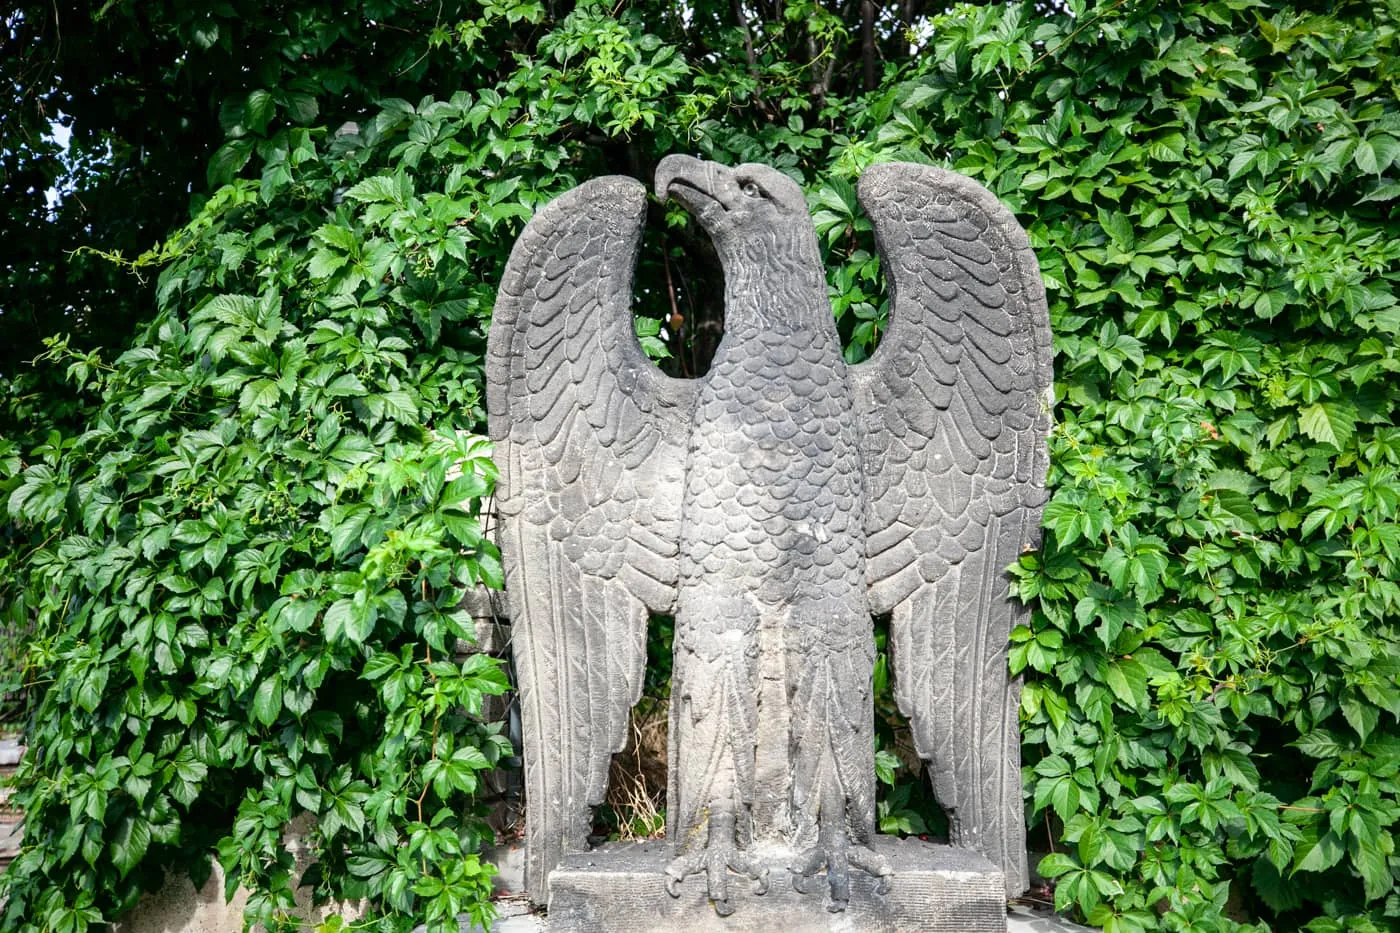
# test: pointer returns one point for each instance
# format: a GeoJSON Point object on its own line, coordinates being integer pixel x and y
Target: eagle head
{"type": "Point", "coordinates": [758, 221]}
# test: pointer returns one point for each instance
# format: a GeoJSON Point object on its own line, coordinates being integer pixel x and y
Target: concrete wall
{"type": "Point", "coordinates": [179, 908]}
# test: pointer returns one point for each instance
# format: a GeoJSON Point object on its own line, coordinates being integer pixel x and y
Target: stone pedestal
{"type": "Point", "coordinates": [935, 889]}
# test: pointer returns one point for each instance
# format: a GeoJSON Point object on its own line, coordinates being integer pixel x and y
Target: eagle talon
{"type": "Point", "coordinates": [717, 862]}
{"type": "Point", "coordinates": [800, 882]}
{"type": "Point", "coordinates": [760, 884]}
{"type": "Point", "coordinates": [838, 858]}
{"type": "Point", "coordinates": [872, 863]}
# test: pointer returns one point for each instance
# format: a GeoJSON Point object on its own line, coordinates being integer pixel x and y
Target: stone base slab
{"type": "Point", "coordinates": [934, 889]}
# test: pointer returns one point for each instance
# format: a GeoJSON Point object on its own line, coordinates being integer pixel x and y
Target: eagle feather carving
{"type": "Point", "coordinates": [772, 506]}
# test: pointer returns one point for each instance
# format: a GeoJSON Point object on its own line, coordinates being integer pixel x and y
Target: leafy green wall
{"type": "Point", "coordinates": [245, 571]}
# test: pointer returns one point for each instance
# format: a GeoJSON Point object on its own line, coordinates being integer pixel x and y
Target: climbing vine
{"type": "Point", "coordinates": [243, 570]}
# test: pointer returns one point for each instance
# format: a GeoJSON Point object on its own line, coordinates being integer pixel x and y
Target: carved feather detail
{"type": "Point", "coordinates": [592, 439]}
{"type": "Point", "coordinates": [814, 495]}
{"type": "Point", "coordinates": [954, 404]}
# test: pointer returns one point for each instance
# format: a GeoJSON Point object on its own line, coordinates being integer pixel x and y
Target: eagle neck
{"type": "Point", "coordinates": [769, 287]}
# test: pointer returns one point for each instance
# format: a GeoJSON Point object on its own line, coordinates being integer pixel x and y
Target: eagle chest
{"type": "Point", "coordinates": [773, 477]}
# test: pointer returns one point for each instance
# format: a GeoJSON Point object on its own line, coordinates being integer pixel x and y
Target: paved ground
{"type": "Point", "coordinates": [1024, 920]}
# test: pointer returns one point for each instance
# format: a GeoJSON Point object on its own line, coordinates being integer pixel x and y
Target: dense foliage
{"type": "Point", "coordinates": [142, 93]}
{"type": "Point", "coordinates": [244, 569]}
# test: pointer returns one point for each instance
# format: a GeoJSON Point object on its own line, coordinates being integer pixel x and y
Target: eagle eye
{"type": "Point", "coordinates": [751, 190]}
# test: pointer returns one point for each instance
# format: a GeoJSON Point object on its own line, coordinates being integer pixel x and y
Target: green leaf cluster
{"type": "Point", "coordinates": [1211, 670]}
{"type": "Point", "coordinates": [248, 596]}
{"type": "Point", "coordinates": [245, 571]}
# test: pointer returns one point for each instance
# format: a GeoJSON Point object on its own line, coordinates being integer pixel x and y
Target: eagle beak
{"type": "Point", "coordinates": [694, 183]}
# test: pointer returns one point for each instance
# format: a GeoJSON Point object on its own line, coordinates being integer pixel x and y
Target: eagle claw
{"type": "Point", "coordinates": [717, 862]}
{"type": "Point", "coordinates": [838, 857]}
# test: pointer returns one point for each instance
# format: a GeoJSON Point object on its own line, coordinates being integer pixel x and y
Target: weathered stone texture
{"type": "Point", "coordinates": [620, 886]}
{"type": "Point", "coordinates": [772, 506]}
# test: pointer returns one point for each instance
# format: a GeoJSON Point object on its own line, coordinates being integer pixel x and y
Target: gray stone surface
{"type": "Point", "coordinates": [1024, 920]}
{"type": "Point", "coordinates": [11, 820]}
{"type": "Point", "coordinates": [622, 886]}
{"type": "Point", "coordinates": [516, 915]}
{"type": "Point", "coordinates": [515, 918]}
{"type": "Point", "coordinates": [178, 907]}
{"type": "Point", "coordinates": [11, 837]}
{"type": "Point", "coordinates": [772, 507]}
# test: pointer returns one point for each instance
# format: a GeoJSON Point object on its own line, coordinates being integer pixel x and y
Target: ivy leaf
{"type": "Point", "coordinates": [1168, 148]}
{"type": "Point", "coordinates": [375, 190]}
{"type": "Point", "coordinates": [1318, 855]}
{"type": "Point", "coordinates": [1329, 422]}
{"type": "Point", "coordinates": [260, 393]}
{"type": "Point", "coordinates": [302, 108]}
{"type": "Point", "coordinates": [1279, 893]}
{"type": "Point", "coordinates": [205, 34]}
{"type": "Point", "coordinates": [228, 161]}
{"type": "Point", "coordinates": [324, 264]}
{"type": "Point", "coordinates": [1319, 744]}
{"type": "Point", "coordinates": [1360, 714]}
{"type": "Point", "coordinates": [258, 109]}
{"type": "Point", "coordinates": [1382, 191]}
{"type": "Point", "coordinates": [1056, 864]}
{"type": "Point", "coordinates": [885, 766]}
{"type": "Point", "coordinates": [267, 700]}
{"type": "Point", "coordinates": [1117, 225]}
{"type": "Point", "coordinates": [1128, 681]}
{"type": "Point", "coordinates": [342, 238]}
{"type": "Point", "coordinates": [347, 525]}
{"type": "Point", "coordinates": [1373, 863]}
{"type": "Point", "coordinates": [1365, 157]}
{"type": "Point", "coordinates": [338, 618]}
{"type": "Point", "coordinates": [130, 841]}
{"type": "Point", "coordinates": [359, 623]}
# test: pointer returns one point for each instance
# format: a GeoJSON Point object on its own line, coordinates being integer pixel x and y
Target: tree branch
{"type": "Point", "coordinates": [742, 19]}
{"type": "Point", "coordinates": [867, 43]}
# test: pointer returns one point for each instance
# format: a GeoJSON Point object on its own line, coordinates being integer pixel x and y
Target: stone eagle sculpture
{"type": "Point", "coordinates": [773, 506]}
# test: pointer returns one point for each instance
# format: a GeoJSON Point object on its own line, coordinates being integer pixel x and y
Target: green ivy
{"type": "Point", "coordinates": [250, 600]}
{"type": "Point", "coordinates": [245, 573]}
{"type": "Point", "coordinates": [1212, 692]}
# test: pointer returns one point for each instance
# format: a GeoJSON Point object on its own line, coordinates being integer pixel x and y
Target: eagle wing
{"type": "Point", "coordinates": [955, 412]}
{"type": "Point", "coordinates": [591, 441]}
